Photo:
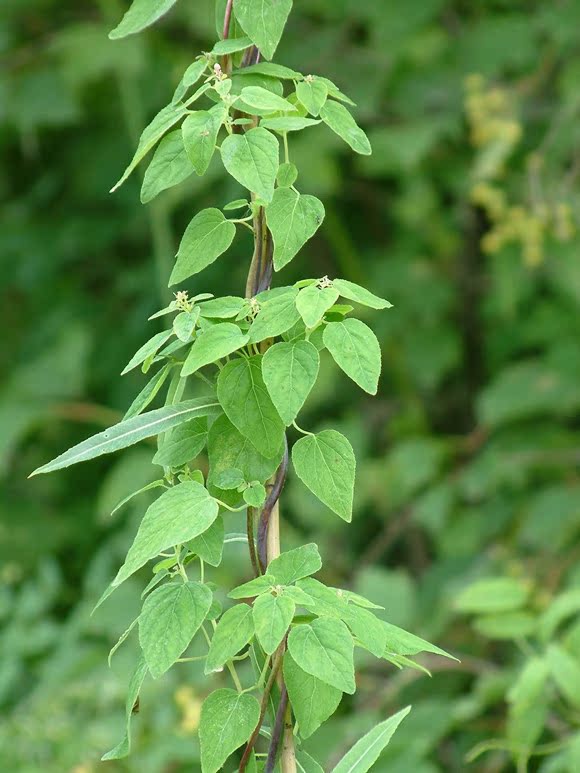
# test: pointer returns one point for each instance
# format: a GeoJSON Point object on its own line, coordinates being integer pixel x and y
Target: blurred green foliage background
{"type": "Point", "coordinates": [465, 218]}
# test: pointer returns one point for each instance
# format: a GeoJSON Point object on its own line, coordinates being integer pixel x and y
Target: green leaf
{"type": "Point", "coordinates": [494, 594]}
{"type": "Point", "coordinates": [307, 764]}
{"type": "Point", "coordinates": [325, 463]}
{"type": "Point", "coordinates": [141, 14]}
{"type": "Point", "coordinates": [272, 618]}
{"type": "Point", "coordinates": [231, 46]}
{"type": "Point", "coordinates": [312, 92]}
{"type": "Point", "coordinates": [148, 487]}
{"type": "Point", "coordinates": [190, 78]}
{"type": "Point", "coordinates": [169, 166]}
{"type": "Point", "coordinates": [561, 607]}
{"type": "Point", "coordinates": [199, 132]}
{"type": "Point", "coordinates": [123, 637]}
{"type": "Point", "coordinates": [213, 344]}
{"type": "Point", "coordinates": [149, 348]}
{"type": "Point", "coordinates": [184, 324]}
{"type": "Point", "coordinates": [295, 564]}
{"type": "Point", "coordinates": [148, 393]}
{"type": "Point", "coordinates": [228, 448]}
{"type": "Point", "coordinates": [207, 237]}
{"type": "Point", "coordinates": [337, 117]}
{"type": "Point", "coordinates": [288, 123]}
{"type": "Point", "coordinates": [236, 204]}
{"type": "Point", "coordinates": [335, 92]}
{"type": "Point", "coordinates": [367, 628]}
{"type": "Point", "coordinates": [277, 314]}
{"type": "Point", "coordinates": [255, 494]}
{"type": "Point", "coordinates": [180, 514]}
{"type": "Point", "coordinates": [506, 625]}
{"type": "Point", "coordinates": [170, 618]}
{"type": "Point", "coordinates": [131, 431]}
{"type": "Point", "coordinates": [233, 632]}
{"type": "Point", "coordinates": [227, 721]}
{"type": "Point", "coordinates": [401, 642]}
{"type": "Point", "coordinates": [313, 302]}
{"type": "Point", "coordinates": [290, 372]}
{"type": "Point", "coordinates": [182, 444]}
{"type": "Point", "coordinates": [252, 159]}
{"type": "Point", "coordinates": [298, 596]}
{"type": "Point", "coordinates": [247, 404]}
{"type": "Point", "coordinates": [209, 545]}
{"type": "Point", "coordinates": [152, 133]}
{"type": "Point", "coordinates": [222, 308]}
{"type": "Point", "coordinates": [123, 748]}
{"type": "Point", "coordinates": [261, 101]}
{"type": "Point", "coordinates": [263, 21]}
{"type": "Point", "coordinates": [356, 350]}
{"type": "Point", "coordinates": [313, 701]}
{"type": "Point", "coordinates": [367, 750]}
{"type": "Point", "coordinates": [332, 602]}
{"type": "Point", "coordinates": [229, 479]}
{"type": "Point", "coordinates": [287, 174]}
{"type": "Point", "coordinates": [255, 587]}
{"type": "Point", "coordinates": [565, 670]}
{"type": "Point", "coordinates": [272, 70]}
{"type": "Point", "coordinates": [360, 295]}
{"type": "Point", "coordinates": [293, 219]}
{"type": "Point", "coordinates": [324, 649]}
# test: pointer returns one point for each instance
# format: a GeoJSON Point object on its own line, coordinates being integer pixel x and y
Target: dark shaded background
{"type": "Point", "coordinates": [465, 218]}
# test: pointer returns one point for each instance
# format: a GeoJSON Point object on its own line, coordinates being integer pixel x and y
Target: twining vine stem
{"type": "Point", "coordinates": [268, 541]}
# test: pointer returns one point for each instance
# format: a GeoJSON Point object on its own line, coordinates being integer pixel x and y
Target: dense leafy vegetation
{"type": "Point", "coordinates": [466, 504]}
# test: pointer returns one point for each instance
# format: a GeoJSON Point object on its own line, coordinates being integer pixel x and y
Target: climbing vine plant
{"type": "Point", "coordinates": [254, 359]}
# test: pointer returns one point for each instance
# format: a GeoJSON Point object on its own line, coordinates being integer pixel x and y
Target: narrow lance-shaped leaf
{"type": "Point", "coordinates": [337, 117]}
{"type": "Point", "coordinates": [148, 393]}
{"type": "Point", "coordinates": [152, 133]}
{"type": "Point", "coordinates": [140, 15]}
{"type": "Point", "coordinates": [123, 748]}
{"type": "Point", "coordinates": [366, 751]}
{"type": "Point", "coordinates": [129, 432]}
{"type": "Point", "coordinates": [147, 350]}
{"type": "Point", "coordinates": [325, 463]}
{"type": "Point", "coordinates": [263, 21]}
{"type": "Point", "coordinates": [190, 78]}
{"type": "Point", "coordinates": [207, 236]}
